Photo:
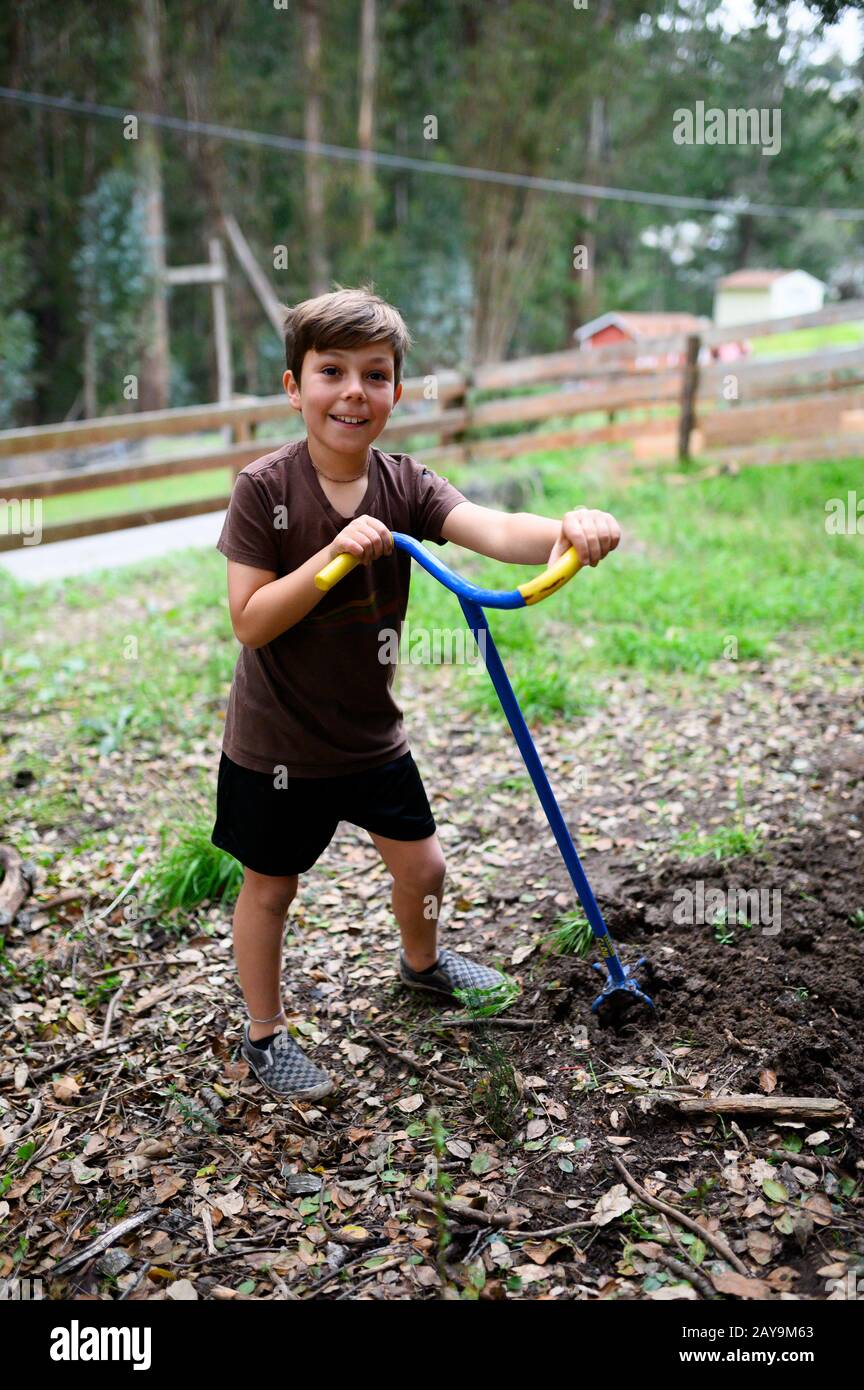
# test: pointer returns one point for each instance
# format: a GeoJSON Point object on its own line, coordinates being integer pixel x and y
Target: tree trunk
{"type": "Point", "coordinates": [366, 119]}
{"type": "Point", "coordinates": [318, 265]}
{"type": "Point", "coordinates": [154, 376]}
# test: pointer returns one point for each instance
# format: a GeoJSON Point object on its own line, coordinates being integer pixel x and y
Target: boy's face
{"type": "Point", "coordinates": [354, 382]}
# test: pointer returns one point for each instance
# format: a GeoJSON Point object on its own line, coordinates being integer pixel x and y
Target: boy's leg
{"type": "Point", "coordinates": [418, 870]}
{"type": "Point", "coordinates": [259, 926]}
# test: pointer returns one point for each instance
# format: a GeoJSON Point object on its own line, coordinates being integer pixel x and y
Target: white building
{"type": "Point", "coordinates": [748, 296]}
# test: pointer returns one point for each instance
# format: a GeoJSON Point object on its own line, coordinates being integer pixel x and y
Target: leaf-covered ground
{"type": "Point", "coordinates": [547, 1137]}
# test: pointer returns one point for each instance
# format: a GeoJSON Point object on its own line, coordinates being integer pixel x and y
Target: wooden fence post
{"type": "Point", "coordinates": [689, 385]}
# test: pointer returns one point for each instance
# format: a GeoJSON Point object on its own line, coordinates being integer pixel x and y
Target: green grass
{"type": "Point", "coordinates": [572, 934]}
{"type": "Point", "coordinates": [728, 842]}
{"type": "Point", "coordinates": [709, 576]}
{"type": "Point", "coordinates": [808, 339]}
{"type": "Point", "coordinates": [130, 497]}
{"type": "Point", "coordinates": [192, 870]}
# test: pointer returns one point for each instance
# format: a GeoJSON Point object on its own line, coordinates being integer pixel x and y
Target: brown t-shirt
{"type": "Point", "coordinates": [316, 700]}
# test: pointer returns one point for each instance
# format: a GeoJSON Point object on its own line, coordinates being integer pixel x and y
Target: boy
{"type": "Point", "coordinates": [312, 733]}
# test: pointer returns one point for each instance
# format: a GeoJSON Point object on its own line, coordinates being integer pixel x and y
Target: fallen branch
{"type": "Point", "coordinates": [719, 1244]}
{"type": "Point", "coordinates": [462, 1211]}
{"type": "Point", "coordinates": [433, 1076]}
{"type": "Point", "coordinates": [15, 886]}
{"type": "Point", "coordinates": [685, 1271]}
{"type": "Point", "coordinates": [103, 1242]}
{"type": "Point", "coordinates": [808, 1107]}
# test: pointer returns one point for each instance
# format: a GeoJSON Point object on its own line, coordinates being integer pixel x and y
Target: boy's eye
{"type": "Point", "coordinates": [382, 375]}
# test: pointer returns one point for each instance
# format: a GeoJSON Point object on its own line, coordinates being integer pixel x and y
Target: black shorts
{"type": "Point", "coordinates": [284, 830]}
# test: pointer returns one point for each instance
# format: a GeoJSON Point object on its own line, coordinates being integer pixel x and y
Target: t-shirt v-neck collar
{"type": "Point", "coordinates": [320, 495]}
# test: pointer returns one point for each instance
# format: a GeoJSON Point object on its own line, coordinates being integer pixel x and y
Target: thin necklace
{"type": "Point", "coordinates": [331, 479]}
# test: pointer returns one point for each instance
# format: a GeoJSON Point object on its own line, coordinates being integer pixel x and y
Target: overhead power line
{"type": "Point", "coordinates": [566, 187]}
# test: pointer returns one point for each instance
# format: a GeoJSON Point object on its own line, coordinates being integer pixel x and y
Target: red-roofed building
{"type": "Point", "coordinates": [631, 327]}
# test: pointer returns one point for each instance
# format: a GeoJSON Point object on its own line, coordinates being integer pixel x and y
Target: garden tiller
{"type": "Point", "coordinates": [621, 978]}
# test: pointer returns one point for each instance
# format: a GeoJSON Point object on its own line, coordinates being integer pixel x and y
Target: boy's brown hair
{"type": "Point", "coordinates": [344, 318]}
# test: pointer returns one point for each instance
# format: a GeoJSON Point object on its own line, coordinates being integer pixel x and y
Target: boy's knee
{"type": "Point", "coordinates": [270, 893]}
{"type": "Point", "coordinates": [424, 877]}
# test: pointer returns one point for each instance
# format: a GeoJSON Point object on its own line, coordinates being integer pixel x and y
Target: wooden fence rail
{"type": "Point", "coordinates": [722, 410]}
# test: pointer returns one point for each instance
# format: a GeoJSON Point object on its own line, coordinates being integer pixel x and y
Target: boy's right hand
{"type": "Point", "coordinates": [366, 537]}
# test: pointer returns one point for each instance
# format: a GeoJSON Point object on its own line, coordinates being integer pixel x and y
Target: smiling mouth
{"type": "Point", "coordinates": [353, 422]}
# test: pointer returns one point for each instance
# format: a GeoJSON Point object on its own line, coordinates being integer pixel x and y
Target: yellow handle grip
{"type": "Point", "coordinates": [336, 570]}
{"type": "Point", "coordinates": [542, 585]}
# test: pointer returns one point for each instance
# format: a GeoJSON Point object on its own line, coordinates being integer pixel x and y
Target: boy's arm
{"type": "Point", "coordinates": [262, 605]}
{"type": "Point", "coordinates": [523, 538]}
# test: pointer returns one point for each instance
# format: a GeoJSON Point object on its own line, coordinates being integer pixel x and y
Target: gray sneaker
{"type": "Point", "coordinates": [284, 1068]}
{"type": "Point", "coordinates": [453, 972]}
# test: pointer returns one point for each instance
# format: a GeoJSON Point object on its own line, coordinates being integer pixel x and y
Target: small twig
{"type": "Point", "coordinates": [24, 1128]}
{"type": "Point", "coordinates": [107, 1092]}
{"type": "Point", "coordinates": [109, 1017]}
{"type": "Point", "coordinates": [39, 1152]}
{"type": "Point", "coordinates": [719, 1244]}
{"type": "Point", "coordinates": [88, 1053]}
{"type": "Point", "coordinates": [499, 1020]}
{"type": "Point", "coordinates": [69, 895]}
{"type": "Point", "coordinates": [160, 962]}
{"type": "Point", "coordinates": [103, 912]}
{"type": "Point", "coordinates": [554, 1231]}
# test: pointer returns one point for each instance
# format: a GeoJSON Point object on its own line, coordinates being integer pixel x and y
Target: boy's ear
{"type": "Point", "coordinates": [397, 393]}
{"type": "Point", "coordinates": [291, 388]}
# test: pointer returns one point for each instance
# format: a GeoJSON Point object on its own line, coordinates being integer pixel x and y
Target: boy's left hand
{"type": "Point", "coordinates": [592, 533]}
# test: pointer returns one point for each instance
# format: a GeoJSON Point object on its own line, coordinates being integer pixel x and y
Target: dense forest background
{"type": "Point", "coordinates": [481, 270]}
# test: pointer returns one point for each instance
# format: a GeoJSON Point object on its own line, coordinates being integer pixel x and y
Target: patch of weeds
{"type": "Point", "coordinates": [700, 1192]}
{"type": "Point", "coordinates": [571, 934]}
{"type": "Point", "coordinates": [491, 999]}
{"type": "Point", "coordinates": [857, 919]}
{"type": "Point", "coordinates": [109, 730]}
{"type": "Point", "coordinates": [495, 1095]}
{"type": "Point", "coordinates": [192, 1114]}
{"type": "Point", "coordinates": [192, 870]}
{"type": "Point", "coordinates": [727, 842]}
{"type": "Point", "coordinates": [100, 992]}
{"type": "Point", "coordinates": [442, 1235]}
{"type": "Point", "coordinates": [636, 1230]}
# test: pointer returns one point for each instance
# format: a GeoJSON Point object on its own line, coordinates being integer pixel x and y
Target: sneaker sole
{"type": "Point", "coordinates": [429, 989]}
{"type": "Point", "coordinates": [311, 1093]}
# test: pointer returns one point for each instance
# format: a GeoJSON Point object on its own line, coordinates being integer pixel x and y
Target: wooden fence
{"type": "Point", "coordinates": [747, 411]}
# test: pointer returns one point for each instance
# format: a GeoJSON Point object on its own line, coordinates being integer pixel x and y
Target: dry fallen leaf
{"type": "Point", "coordinates": [819, 1208]}
{"type": "Point", "coordinates": [760, 1246]}
{"type": "Point", "coordinates": [821, 1136]}
{"type": "Point", "coordinates": [459, 1148]}
{"type": "Point", "coordinates": [739, 1287]}
{"type": "Point", "coordinates": [767, 1081]}
{"type": "Point", "coordinates": [613, 1203]}
{"type": "Point", "coordinates": [65, 1088]}
{"type": "Point", "coordinates": [409, 1103]}
{"type": "Point", "coordinates": [542, 1251]}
